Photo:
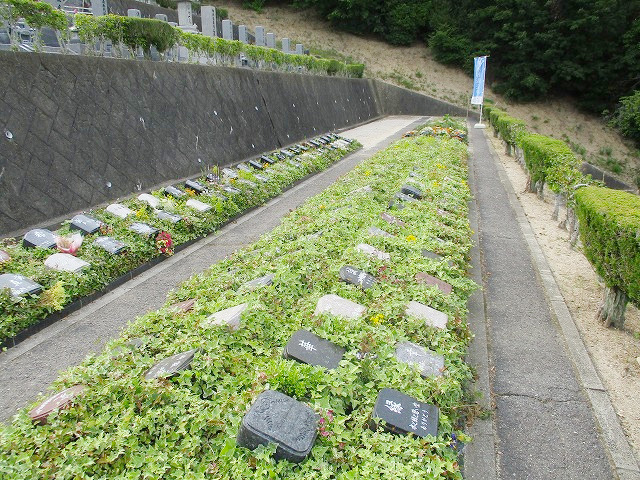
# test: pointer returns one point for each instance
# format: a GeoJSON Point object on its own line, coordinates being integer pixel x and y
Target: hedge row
{"type": "Point", "coordinates": [61, 288]}
{"type": "Point", "coordinates": [185, 426]}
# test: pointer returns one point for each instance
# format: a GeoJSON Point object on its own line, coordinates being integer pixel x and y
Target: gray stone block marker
{"type": "Point", "coordinates": [230, 317]}
{"type": "Point", "coordinates": [170, 366]}
{"type": "Point", "coordinates": [39, 237]}
{"type": "Point", "coordinates": [378, 232]}
{"type": "Point", "coordinates": [65, 262]}
{"type": "Point", "coordinates": [309, 348]}
{"type": "Point", "coordinates": [431, 316]}
{"type": "Point", "coordinates": [338, 306]}
{"type": "Point", "coordinates": [227, 30]}
{"type": "Point", "coordinates": [264, 281]}
{"type": "Point", "coordinates": [19, 284]}
{"type": "Point", "coordinates": [271, 40]}
{"type": "Point", "coordinates": [260, 38]}
{"type": "Point", "coordinates": [373, 251]}
{"type": "Point", "coordinates": [429, 363]}
{"type": "Point", "coordinates": [120, 211]}
{"type": "Point", "coordinates": [149, 199]}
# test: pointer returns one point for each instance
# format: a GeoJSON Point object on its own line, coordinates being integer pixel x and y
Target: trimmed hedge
{"type": "Point", "coordinates": [609, 228]}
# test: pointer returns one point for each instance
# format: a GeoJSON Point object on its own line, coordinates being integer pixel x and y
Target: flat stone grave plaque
{"type": "Point", "coordinates": [212, 178]}
{"type": "Point", "coordinates": [260, 282]}
{"type": "Point", "coordinates": [392, 220]}
{"type": "Point", "coordinates": [149, 199]}
{"type": "Point", "coordinates": [173, 192]}
{"type": "Point", "coordinates": [172, 217]}
{"type": "Point", "coordinates": [111, 245]}
{"type": "Point", "coordinates": [262, 178]}
{"type": "Point", "coordinates": [373, 251]}
{"type": "Point", "coordinates": [65, 262]}
{"type": "Point", "coordinates": [302, 147]}
{"type": "Point", "coordinates": [404, 198]}
{"type": "Point", "coordinates": [378, 232]}
{"type": "Point", "coordinates": [85, 224]}
{"type": "Point", "coordinates": [432, 255]}
{"type": "Point", "coordinates": [255, 164]}
{"type": "Point", "coordinates": [307, 347]}
{"type": "Point", "coordinates": [268, 160]}
{"type": "Point", "coordinates": [120, 211]}
{"type": "Point", "coordinates": [403, 414]}
{"type": "Point", "coordinates": [244, 167]}
{"type": "Point", "coordinates": [357, 277]}
{"type": "Point", "coordinates": [19, 284]}
{"type": "Point", "coordinates": [429, 363]}
{"type": "Point", "coordinates": [287, 153]}
{"type": "Point", "coordinates": [184, 306]}
{"type": "Point", "coordinates": [195, 186]}
{"type": "Point", "coordinates": [338, 306]}
{"type": "Point", "coordinates": [411, 191]}
{"type": "Point", "coordinates": [247, 182]}
{"type": "Point", "coordinates": [277, 418]}
{"type": "Point", "coordinates": [295, 150]}
{"type": "Point", "coordinates": [314, 143]}
{"type": "Point", "coordinates": [280, 156]}
{"type": "Point", "coordinates": [58, 401]}
{"type": "Point", "coordinates": [198, 205]}
{"type": "Point", "coordinates": [170, 366]}
{"type": "Point", "coordinates": [322, 141]}
{"type": "Point", "coordinates": [4, 256]}
{"type": "Point", "coordinates": [229, 173]}
{"type": "Point", "coordinates": [219, 196]}
{"type": "Point", "coordinates": [431, 316]}
{"type": "Point", "coordinates": [230, 189]}
{"type": "Point", "coordinates": [143, 229]}
{"type": "Point", "coordinates": [425, 278]}
{"type": "Point", "coordinates": [39, 237]}
{"type": "Point", "coordinates": [293, 163]}
{"type": "Point", "coordinates": [229, 316]}
{"type": "Point", "coordinates": [396, 204]}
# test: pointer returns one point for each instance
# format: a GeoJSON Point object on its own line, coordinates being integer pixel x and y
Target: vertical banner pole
{"type": "Point", "coordinates": [477, 97]}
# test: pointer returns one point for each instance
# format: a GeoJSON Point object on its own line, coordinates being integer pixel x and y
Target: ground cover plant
{"type": "Point", "coordinates": [61, 288]}
{"type": "Point", "coordinates": [185, 426]}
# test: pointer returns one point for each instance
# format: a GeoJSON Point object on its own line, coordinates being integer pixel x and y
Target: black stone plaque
{"type": "Point", "coordinates": [230, 189]}
{"type": "Point", "coordinates": [170, 366]}
{"type": "Point", "coordinates": [143, 229]}
{"type": "Point", "coordinates": [295, 150]}
{"type": "Point", "coordinates": [268, 160]}
{"type": "Point", "coordinates": [111, 245]}
{"type": "Point", "coordinates": [322, 141]}
{"type": "Point", "coordinates": [39, 237]}
{"type": "Point", "coordinates": [171, 217]}
{"type": "Point", "coordinates": [287, 153]}
{"type": "Point", "coordinates": [412, 191]}
{"type": "Point", "coordinates": [302, 147]}
{"type": "Point", "coordinates": [314, 143]}
{"type": "Point", "coordinates": [280, 156]}
{"type": "Point", "coordinates": [230, 173]}
{"type": "Point", "coordinates": [306, 347]}
{"type": "Point", "coordinates": [357, 277]}
{"type": "Point", "coordinates": [404, 198]}
{"type": "Point", "coordinates": [255, 164]}
{"type": "Point", "coordinates": [244, 167]}
{"type": "Point", "coordinates": [85, 224]}
{"type": "Point", "coordinates": [173, 192]}
{"type": "Point", "coordinates": [429, 363]}
{"type": "Point", "coordinates": [195, 187]}
{"type": "Point", "coordinates": [19, 284]}
{"type": "Point", "coordinates": [404, 414]}
{"type": "Point", "coordinates": [276, 418]}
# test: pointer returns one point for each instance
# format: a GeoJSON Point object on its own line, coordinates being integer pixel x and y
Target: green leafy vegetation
{"type": "Point", "coordinates": [185, 427]}
{"type": "Point", "coordinates": [627, 117]}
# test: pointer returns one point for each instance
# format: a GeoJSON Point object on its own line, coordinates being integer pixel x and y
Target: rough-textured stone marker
{"type": "Point", "coordinates": [184, 306]}
{"type": "Point", "coordinates": [306, 347]}
{"type": "Point", "coordinates": [39, 237]}
{"type": "Point", "coordinates": [198, 205]}
{"type": "Point", "coordinates": [357, 277]}
{"type": "Point", "coordinates": [229, 316]}
{"type": "Point", "coordinates": [432, 255]}
{"type": "Point", "coordinates": [276, 418]}
{"type": "Point", "coordinates": [429, 363]}
{"type": "Point", "coordinates": [195, 187]}
{"type": "Point", "coordinates": [228, 172]}
{"type": "Point", "coordinates": [373, 251]}
{"type": "Point", "coordinates": [172, 217]}
{"type": "Point", "coordinates": [19, 284]}
{"type": "Point", "coordinates": [392, 220]}
{"type": "Point", "coordinates": [260, 282]}
{"type": "Point", "coordinates": [288, 153]}
{"type": "Point", "coordinates": [60, 400]}
{"type": "Point", "coordinates": [170, 366]}
{"type": "Point", "coordinates": [444, 287]}
{"type": "Point", "coordinates": [230, 189]}
{"type": "Point", "coordinates": [404, 198]}
{"type": "Point", "coordinates": [143, 229]}
{"type": "Point", "coordinates": [244, 167]}
{"type": "Point", "coordinates": [255, 164]}
{"type": "Point", "coordinates": [85, 224]}
{"type": "Point", "coordinates": [403, 414]}
{"type": "Point", "coordinates": [173, 192]}
{"type": "Point", "coordinates": [149, 199]}
{"type": "Point", "coordinates": [65, 262]}
{"type": "Point", "coordinates": [431, 316]}
{"type": "Point", "coordinates": [262, 178]}
{"type": "Point", "coordinates": [111, 245]}
{"type": "Point", "coordinates": [411, 191]}
{"type": "Point", "coordinates": [378, 232]}
{"type": "Point", "coordinates": [338, 306]}
{"type": "Point", "coordinates": [120, 211]}
{"type": "Point", "coordinates": [4, 256]}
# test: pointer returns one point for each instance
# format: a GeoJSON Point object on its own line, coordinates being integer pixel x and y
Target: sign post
{"type": "Point", "coordinates": [477, 97]}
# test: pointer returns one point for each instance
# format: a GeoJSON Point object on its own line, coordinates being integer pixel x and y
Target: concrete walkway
{"type": "Point", "coordinates": [29, 368]}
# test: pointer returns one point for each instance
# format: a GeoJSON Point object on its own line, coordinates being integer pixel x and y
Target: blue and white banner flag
{"type": "Point", "coordinates": [479, 67]}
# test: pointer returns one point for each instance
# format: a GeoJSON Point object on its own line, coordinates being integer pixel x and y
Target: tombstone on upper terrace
{"type": "Point", "coordinates": [227, 30]}
{"type": "Point", "coordinates": [195, 186]}
{"type": "Point", "coordinates": [402, 414]}
{"type": "Point", "coordinates": [260, 38]}
{"type": "Point", "coordinates": [306, 347]}
{"type": "Point", "coordinates": [111, 245]}
{"type": "Point", "coordinates": [87, 225]}
{"type": "Point", "coordinates": [39, 237]}
{"type": "Point", "coordinates": [271, 40]}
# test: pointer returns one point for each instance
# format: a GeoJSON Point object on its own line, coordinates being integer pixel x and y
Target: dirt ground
{"type": "Point", "coordinates": [615, 353]}
{"type": "Point", "coordinates": [414, 67]}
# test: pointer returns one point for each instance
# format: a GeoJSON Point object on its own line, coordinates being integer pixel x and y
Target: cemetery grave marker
{"type": "Point", "coordinates": [277, 418]}
{"type": "Point", "coordinates": [170, 366]}
{"type": "Point", "coordinates": [338, 306]}
{"type": "Point", "coordinates": [87, 225]}
{"type": "Point", "coordinates": [229, 173]}
{"type": "Point", "coordinates": [247, 182]}
{"type": "Point", "coordinates": [184, 306]}
{"type": "Point", "coordinates": [198, 205]}
{"type": "Point", "coordinates": [244, 167]}
{"type": "Point", "coordinates": [255, 164]}
{"type": "Point", "coordinates": [432, 255]}
{"type": "Point", "coordinates": [260, 282]}
{"type": "Point", "coordinates": [287, 153]}
{"type": "Point", "coordinates": [262, 178]}
{"type": "Point", "coordinates": [212, 178]}
{"type": "Point", "coordinates": [306, 347]}
{"type": "Point", "coordinates": [431, 316]}
{"type": "Point", "coordinates": [119, 210]}
{"type": "Point", "coordinates": [58, 401]}
{"type": "Point", "coordinates": [280, 156]}
{"type": "Point", "coordinates": [4, 256]}
{"type": "Point", "coordinates": [173, 192]}
{"type": "Point", "coordinates": [111, 245]}
{"type": "Point", "coordinates": [268, 160]}
{"type": "Point", "coordinates": [302, 147]}
{"type": "Point", "coordinates": [411, 191]}
{"type": "Point", "coordinates": [403, 414]}
{"type": "Point", "coordinates": [39, 237]}
{"type": "Point", "coordinates": [378, 232]}
{"type": "Point", "coordinates": [195, 186]}
{"type": "Point", "coordinates": [65, 262]}
{"type": "Point", "coordinates": [357, 277]}
{"type": "Point", "coordinates": [392, 220]}
{"type": "Point", "coordinates": [373, 251]}
{"type": "Point", "coordinates": [429, 363]}
{"type": "Point", "coordinates": [293, 163]}
{"type": "Point", "coordinates": [149, 199]}
{"type": "Point", "coordinates": [404, 198]}
{"type": "Point", "coordinates": [229, 316]}
{"type": "Point", "coordinates": [230, 189]}
{"type": "Point", "coordinates": [427, 279]}
{"type": "Point", "coordinates": [396, 204]}
{"type": "Point", "coordinates": [143, 229]}
{"type": "Point", "coordinates": [19, 284]}
{"type": "Point", "coordinates": [172, 217]}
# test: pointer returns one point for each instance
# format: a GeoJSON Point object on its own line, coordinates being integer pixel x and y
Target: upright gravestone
{"type": "Point", "coordinates": [299, 49]}
{"type": "Point", "coordinates": [429, 363]}
{"type": "Point", "coordinates": [134, 12]}
{"type": "Point", "coordinates": [87, 225]}
{"type": "Point", "coordinates": [403, 414]}
{"type": "Point", "coordinates": [306, 347]}
{"type": "Point", "coordinates": [427, 279]}
{"type": "Point", "coordinates": [338, 306]}
{"type": "Point", "coordinates": [208, 18]}
{"type": "Point", "coordinates": [19, 284]}
{"type": "Point", "coordinates": [65, 262]}
{"type": "Point", "coordinates": [260, 39]}
{"type": "Point", "coordinates": [161, 16]}
{"type": "Point", "coordinates": [99, 8]}
{"type": "Point", "coordinates": [357, 277]}
{"type": "Point", "coordinates": [39, 237]}
{"type": "Point", "coordinates": [431, 316]}
{"type": "Point", "coordinates": [59, 401]}
{"type": "Point", "coordinates": [227, 30]}
{"type": "Point", "coordinates": [111, 245]}
{"type": "Point", "coordinates": [271, 40]}
{"type": "Point", "coordinates": [170, 366]}
{"type": "Point", "coordinates": [230, 317]}
{"type": "Point", "coordinates": [277, 418]}
{"type": "Point", "coordinates": [286, 45]}
{"type": "Point", "coordinates": [185, 14]}
{"type": "Point", "coordinates": [243, 35]}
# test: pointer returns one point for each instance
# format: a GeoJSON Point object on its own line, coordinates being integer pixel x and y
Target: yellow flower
{"type": "Point", "coordinates": [439, 165]}
{"type": "Point", "coordinates": [140, 213]}
{"type": "Point", "coordinates": [377, 319]}
{"type": "Point", "coordinates": [321, 207]}
{"type": "Point", "coordinates": [411, 238]}
{"type": "Point", "coordinates": [367, 172]}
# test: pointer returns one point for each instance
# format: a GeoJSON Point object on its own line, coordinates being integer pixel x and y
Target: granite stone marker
{"type": "Point", "coordinates": [4, 256]}
{"type": "Point", "coordinates": [287, 153]}
{"type": "Point", "coordinates": [170, 366]}
{"type": "Point", "coordinates": [39, 237]}
{"type": "Point", "coordinates": [111, 245]}
{"type": "Point", "coordinates": [277, 418]}
{"type": "Point", "coordinates": [299, 49]}
{"type": "Point", "coordinates": [404, 198]}
{"type": "Point", "coordinates": [87, 225]}
{"type": "Point", "coordinates": [143, 229]}
{"type": "Point", "coordinates": [260, 39]}
{"type": "Point", "coordinates": [149, 199]}
{"type": "Point", "coordinates": [184, 306]}
{"type": "Point", "coordinates": [262, 178]}
{"type": "Point", "coordinates": [431, 316]}
{"type": "Point", "coordinates": [171, 217]}
{"type": "Point", "coordinates": [403, 414]}
{"type": "Point", "coordinates": [268, 160]}
{"type": "Point", "coordinates": [19, 284]}
{"type": "Point", "coordinates": [432, 255]}
{"type": "Point", "coordinates": [357, 277]}
{"type": "Point", "coordinates": [208, 19]}
{"type": "Point", "coordinates": [58, 401]}
{"type": "Point", "coordinates": [173, 192]}
{"type": "Point", "coordinates": [411, 191]}
{"type": "Point", "coordinates": [227, 30]}
{"type": "Point", "coordinates": [295, 164]}
{"type": "Point", "coordinates": [286, 45]}
{"type": "Point", "coordinates": [195, 186]}
{"type": "Point", "coordinates": [429, 363]}
{"type": "Point", "coordinates": [65, 262]}
{"type": "Point", "coordinates": [185, 14]}
{"type": "Point", "coordinates": [392, 220]}
{"type": "Point", "coordinates": [244, 167]}
{"type": "Point", "coordinates": [230, 189]}
{"type": "Point", "coordinates": [306, 347]}
{"type": "Point", "coordinates": [198, 205]}
{"type": "Point", "coordinates": [397, 204]}
{"type": "Point", "coordinates": [230, 173]}
{"type": "Point", "coordinates": [120, 211]}
{"type": "Point", "coordinates": [260, 282]}
{"type": "Point", "coordinates": [230, 317]}
{"type": "Point", "coordinates": [373, 251]}
{"type": "Point", "coordinates": [255, 164]}
{"type": "Point", "coordinates": [161, 16]}
{"type": "Point", "coordinates": [378, 232]}
{"type": "Point", "coordinates": [271, 40]}
{"type": "Point", "coordinates": [427, 279]}
{"type": "Point", "coordinates": [338, 306]}
{"type": "Point", "coordinates": [243, 35]}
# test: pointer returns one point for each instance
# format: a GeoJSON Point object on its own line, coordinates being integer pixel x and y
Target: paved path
{"type": "Point", "coordinates": [29, 367]}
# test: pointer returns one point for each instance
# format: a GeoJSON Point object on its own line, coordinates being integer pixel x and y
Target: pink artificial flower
{"type": "Point", "coordinates": [69, 244]}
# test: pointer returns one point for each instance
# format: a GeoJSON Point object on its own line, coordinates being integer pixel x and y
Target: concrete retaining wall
{"type": "Point", "coordinates": [85, 131]}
